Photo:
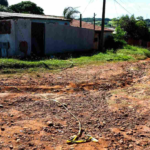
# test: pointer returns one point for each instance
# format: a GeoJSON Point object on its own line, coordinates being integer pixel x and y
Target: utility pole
{"type": "Point", "coordinates": [94, 21]}
{"type": "Point", "coordinates": [80, 20]}
{"type": "Point", "coordinates": [101, 42]}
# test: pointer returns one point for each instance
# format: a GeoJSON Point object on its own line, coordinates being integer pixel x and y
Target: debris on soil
{"type": "Point", "coordinates": [50, 123]}
{"type": "Point", "coordinates": [111, 101]}
{"type": "Point", "coordinates": [1, 106]}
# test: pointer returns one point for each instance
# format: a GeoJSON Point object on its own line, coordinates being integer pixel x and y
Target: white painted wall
{"type": "Point", "coordinates": [9, 38]}
{"type": "Point", "coordinates": [23, 33]}
{"type": "Point", "coordinates": [59, 39]}
{"type": "Point", "coordinates": [20, 31]}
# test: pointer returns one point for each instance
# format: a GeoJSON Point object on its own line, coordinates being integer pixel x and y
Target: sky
{"type": "Point", "coordinates": [89, 7]}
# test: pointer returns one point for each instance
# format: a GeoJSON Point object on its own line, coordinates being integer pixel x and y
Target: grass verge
{"type": "Point", "coordinates": [126, 54]}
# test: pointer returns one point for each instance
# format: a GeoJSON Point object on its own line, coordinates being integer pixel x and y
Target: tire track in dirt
{"type": "Point", "coordinates": [121, 81]}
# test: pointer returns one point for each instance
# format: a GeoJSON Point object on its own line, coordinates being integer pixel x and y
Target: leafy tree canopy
{"type": "Point", "coordinates": [120, 35]}
{"type": "Point", "coordinates": [4, 3]}
{"type": "Point", "coordinates": [4, 9]}
{"type": "Point", "coordinates": [27, 7]}
{"type": "Point", "coordinates": [135, 27]}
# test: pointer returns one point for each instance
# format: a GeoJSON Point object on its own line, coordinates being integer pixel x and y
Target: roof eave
{"type": "Point", "coordinates": [16, 17]}
{"type": "Point", "coordinates": [104, 31]}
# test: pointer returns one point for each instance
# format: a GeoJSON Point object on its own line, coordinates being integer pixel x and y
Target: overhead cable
{"type": "Point", "coordinates": [87, 5]}
{"type": "Point", "coordinates": [122, 7]}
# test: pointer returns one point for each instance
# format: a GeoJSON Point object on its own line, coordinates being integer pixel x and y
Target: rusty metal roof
{"type": "Point", "coordinates": [76, 23]}
{"type": "Point", "coordinates": [6, 15]}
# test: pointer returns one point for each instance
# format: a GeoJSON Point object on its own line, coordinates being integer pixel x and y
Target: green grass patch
{"type": "Point", "coordinates": [102, 57]}
{"type": "Point", "coordinates": [8, 66]}
{"type": "Point", "coordinates": [18, 64]}
{"type": "Point", "coordinates": [135, 52]}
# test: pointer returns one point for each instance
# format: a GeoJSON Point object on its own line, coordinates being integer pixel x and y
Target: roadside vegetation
{"type": "Point", "coordinates": [22, 7]}
{"type": "Point", "coordinates": [127, 53]}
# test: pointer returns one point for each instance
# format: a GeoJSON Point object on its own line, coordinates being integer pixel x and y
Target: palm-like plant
{"type": "Point", "coordinates": [70, 12]}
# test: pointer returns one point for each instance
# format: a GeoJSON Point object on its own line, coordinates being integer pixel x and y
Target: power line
{"type": "Point", "coordinates": [87, 5]}
{"type": "Point", "coordinates": [122, 7]}
{"type": "Point", "coordinates": [137, 5]}
{"type": "Point", "coordinates": [137, 9]}
{"type": "Point", "coordinates": [127, 3]}
{"type": "Point", "coordinates": [122, 1]}
{"type": "Point", "coordinates": [116, 9]}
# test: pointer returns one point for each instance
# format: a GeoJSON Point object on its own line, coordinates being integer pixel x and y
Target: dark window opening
{"type": "Point", "coordinates": [5, 27]}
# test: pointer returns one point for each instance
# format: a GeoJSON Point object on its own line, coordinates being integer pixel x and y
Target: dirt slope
{"type": "Point", "coordinates": [112, 101]}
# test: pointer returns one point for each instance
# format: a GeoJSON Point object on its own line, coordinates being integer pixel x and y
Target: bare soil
{"type": "Point", "coordinates": [112, 101]}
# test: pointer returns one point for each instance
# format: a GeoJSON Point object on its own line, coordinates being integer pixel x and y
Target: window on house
{"type": "Point", "coordinates": [5, 27]}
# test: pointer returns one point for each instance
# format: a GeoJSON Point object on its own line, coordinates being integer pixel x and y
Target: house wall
{"type": "Point", "coordinates": [96, 41]}
{"type": "Point", "coordinates": [60, 22]}
{"type": "Point", "coordinates": [4, 38]}
{"type": "Point", "coordinates": [20, 31]}
{"type": "Point", "coordinates": [148, 45]}
{"type": "Point", "coordinates": [96, 38]}
{"type": "Point", "coordinates": [106, 34]}
{"type": "Point", "coordinates": [59, 39]}
{"type": "Point", "coordinates": [23, 34]}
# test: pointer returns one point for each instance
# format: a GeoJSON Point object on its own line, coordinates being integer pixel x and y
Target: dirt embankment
{"type": "Point", "coordinates": [111, 101]}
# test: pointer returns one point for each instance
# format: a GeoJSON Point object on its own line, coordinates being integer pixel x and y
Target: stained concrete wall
{"type": "Point", "coordinates": [20, 31]}
{"type": "Point", "coordinates": [107, 34]}
{"type": "Point", "coordinates": [59, 39]}
{"type": "Point", "coordinates": [60, 22]}
{"type": "Point", "coordinates": [23, 33]}
{"type": "Point", "coordinates": [96, 43]}
{"type": "Point", "coordinates": [9, 38]}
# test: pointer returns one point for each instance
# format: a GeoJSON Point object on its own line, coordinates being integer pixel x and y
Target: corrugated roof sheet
{"type": "Point", "coordinates": [4, 15]}
{"type": "Point", "coordinates": [76, 23]}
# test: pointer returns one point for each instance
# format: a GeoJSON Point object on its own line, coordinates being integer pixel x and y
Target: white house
{"type": "Point", "coordinates": [26, 34]}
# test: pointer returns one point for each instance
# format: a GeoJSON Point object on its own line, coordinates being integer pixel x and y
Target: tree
{"type": "Point", "coordinates": [27, 7]}
{"type": "Point", "coordinates": [140, 18]}
{"type": "Point", "coordinates": [70, 12]}
{"type": "Point", "coordinates": [135, 28]}
{"type": "Point", "coordinates": [143, 30]}
{"type": "Point", "coordinates": [117, 40]}
{"type": "Point", "coordinates": [4, 3]}
{"type": "Point", "coordinates": [129, 25]}
{"type": "Point", "coordinates": [119, 36]}
{"type": "Point", "coordinates": [114, 22]}
{"type": "Point", "coordinates": [4, 9]}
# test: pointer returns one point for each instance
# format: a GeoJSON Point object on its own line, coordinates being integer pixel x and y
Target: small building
{"type": "Point", "coordinates": [27, 34]}
{"type": "Point", "coordinates": [86, 25]}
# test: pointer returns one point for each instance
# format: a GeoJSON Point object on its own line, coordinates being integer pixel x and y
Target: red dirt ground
{"type": "Point", "coordinates": [112, 101]}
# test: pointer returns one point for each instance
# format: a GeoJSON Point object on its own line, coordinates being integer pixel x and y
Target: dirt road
{"type": "Point", "coordinates": [112, 101]}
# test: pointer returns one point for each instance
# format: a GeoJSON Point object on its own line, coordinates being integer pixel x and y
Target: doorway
{"type": "Point", "coordinates": [38, 39]}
